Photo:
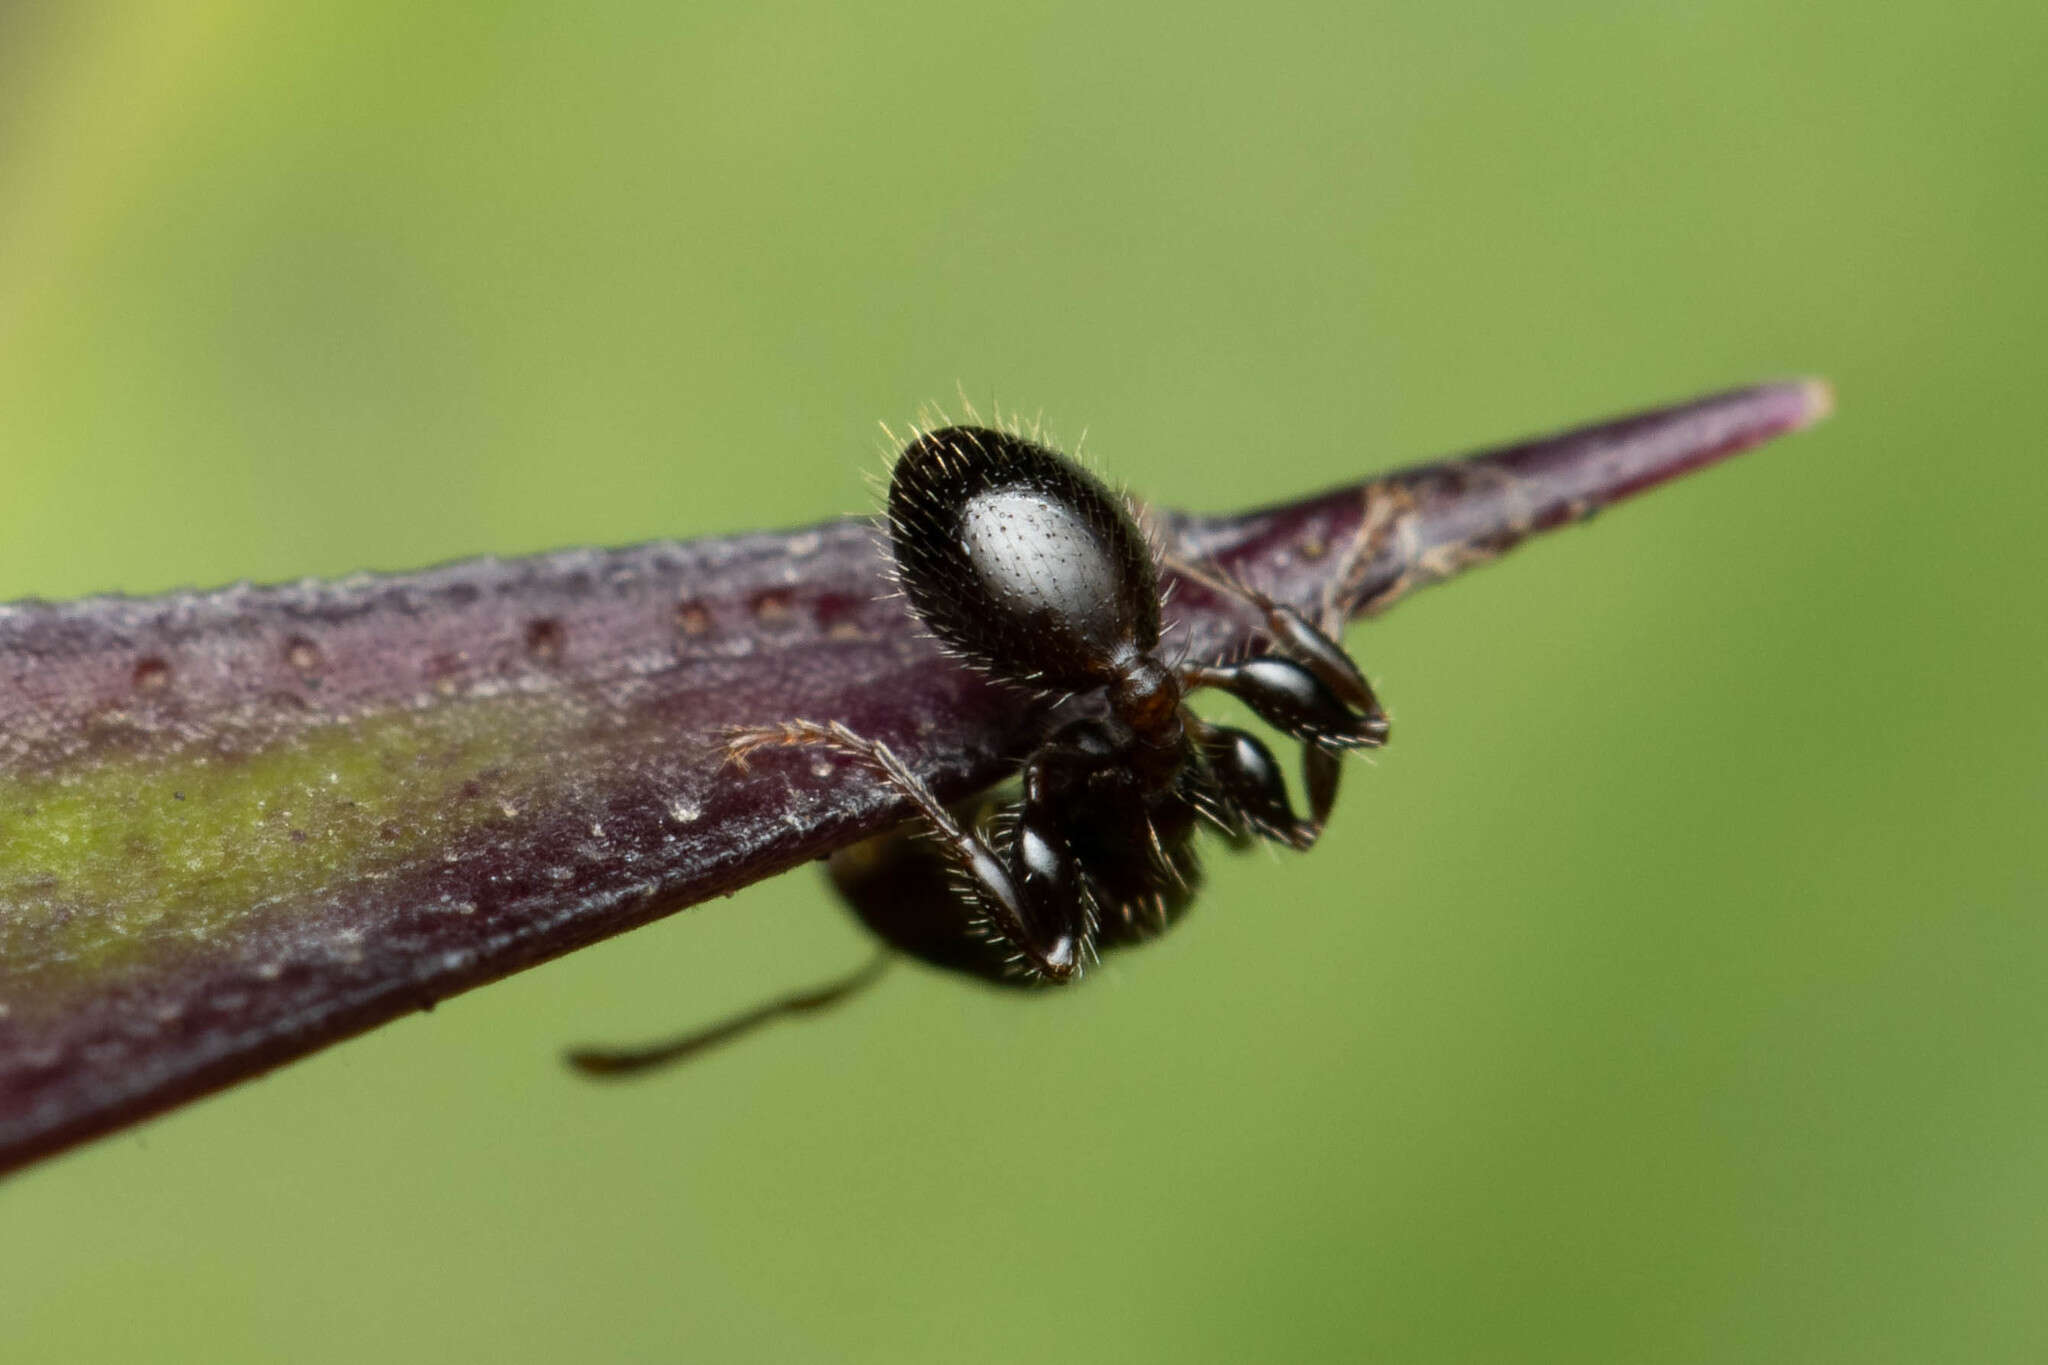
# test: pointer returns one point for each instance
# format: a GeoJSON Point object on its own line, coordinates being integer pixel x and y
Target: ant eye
{"type": "Point", "coordinates": [1019, 560]}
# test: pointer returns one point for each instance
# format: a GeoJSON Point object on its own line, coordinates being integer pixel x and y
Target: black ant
{"type": "Point", "coordinates": [1031, 571]}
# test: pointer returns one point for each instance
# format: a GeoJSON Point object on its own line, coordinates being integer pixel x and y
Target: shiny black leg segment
{"type": "Point", "coordinates": [1252, 792]}
{"type": "Point", "coordinates": [1322, 770]}
{"type": "Point", "coordinates": [1290, 697]}
{"type": "Point", "coordinates": [1324, 657]}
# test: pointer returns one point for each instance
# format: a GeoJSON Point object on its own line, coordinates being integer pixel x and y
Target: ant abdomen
{"type": "Point", "coordinates": [1019, 561]}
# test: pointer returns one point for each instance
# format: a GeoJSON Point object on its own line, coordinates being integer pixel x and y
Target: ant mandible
{"type": "Point", "coordinates": [1028, 569]}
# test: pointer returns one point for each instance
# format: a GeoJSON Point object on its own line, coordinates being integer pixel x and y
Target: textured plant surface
{"type": "Point", "coordinates": [236, 826]}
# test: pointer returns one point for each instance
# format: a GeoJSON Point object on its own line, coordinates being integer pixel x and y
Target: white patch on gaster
{"type": "Point", "coordinates": [1034, 550]}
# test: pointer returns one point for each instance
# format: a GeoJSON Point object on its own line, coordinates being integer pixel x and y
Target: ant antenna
{"type": "Point", "coordinates": [607, 1062]}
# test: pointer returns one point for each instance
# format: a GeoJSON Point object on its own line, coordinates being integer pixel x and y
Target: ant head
{"type": "Point", "coordinates": [1020, 561]}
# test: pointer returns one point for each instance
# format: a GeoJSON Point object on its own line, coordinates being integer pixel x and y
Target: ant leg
{"type": "Point", "coordinates": [1321, 772]}
{"type": "Point", "coordinates": [1290, 697]}
{"type": "Point", "coordinates": [607, 1062]}
{"type": "Point", "coordinates": [1293, 698]}
{"type": "Point", "coordinates": [1248, 787]}
{"type": "Point", "coordinates": [1322, 769]}
{"type": "Point", "coordinates": [1037, 905]}
{"type": "Point", "coordinates": [901, 885]}
{"type": "Point", "coordinates": [1322, 656]}
{"type": "Point", "coordinates": [1317, 649]}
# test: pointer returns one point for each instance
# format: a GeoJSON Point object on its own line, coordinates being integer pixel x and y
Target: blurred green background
{"type": "Point", "coordinates": [1672, 989]}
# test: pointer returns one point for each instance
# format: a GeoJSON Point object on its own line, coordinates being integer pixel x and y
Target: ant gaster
{"type": "Point", "coordinates": [1029, 570]}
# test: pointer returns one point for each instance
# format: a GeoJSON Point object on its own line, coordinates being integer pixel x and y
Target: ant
{"type": "Point", "coordinates": [1031, 571]}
